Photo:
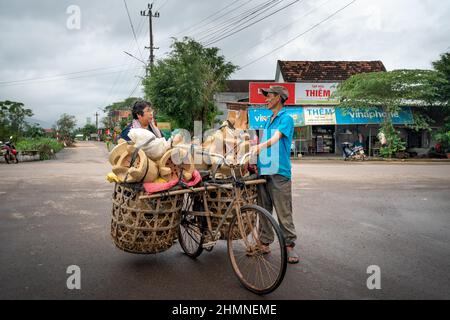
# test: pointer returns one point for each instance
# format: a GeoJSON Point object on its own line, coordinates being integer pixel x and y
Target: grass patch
{"type": "Point", "coordinates": [43, 145]}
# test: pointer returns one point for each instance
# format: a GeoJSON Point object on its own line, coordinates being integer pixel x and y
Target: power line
{"type": "Point", "coordinates": [132, 28]}
{"type": "Point", "coordinates": [240, 18]}
{"type": "Point", "coordinates": [161, 6]}
{"type": "Point", "coordinates": [58, 75]}
{"type": "Point", "coordinates": [63, 79]}
{"type": "Point", "coordinates": [137, 85]}
{"type": "Point", "coordinates": [113, 89]}
{"type": "Point", "coordinates": [215, 40]}
{"type": "Point", "coordinates": [210, 16]}
{"type": "Point", "coordinates": [230, 21]}
{"type": "Point", "coordinates": [281, 29]}
{"type": "Point", "coordinates": [298, 36]}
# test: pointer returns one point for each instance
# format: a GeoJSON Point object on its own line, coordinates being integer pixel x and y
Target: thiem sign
{"type": "Point", "coordinates": [319, 115]}
{"type": "Point", "coordinates": [315, 93]}
{"type": "Point", "coordinates": [256, 96]}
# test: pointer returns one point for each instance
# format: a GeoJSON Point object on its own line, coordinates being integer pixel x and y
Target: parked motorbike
{"type": "Point", "coordinates": [9, 151]}
{"type": "Point", "coordinates": [351, 152]}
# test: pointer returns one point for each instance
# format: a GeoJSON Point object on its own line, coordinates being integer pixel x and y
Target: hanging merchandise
{"type": "Point", "coordinates": [155, 149]}
{"type": "Point", "coordinates": [141, 170]}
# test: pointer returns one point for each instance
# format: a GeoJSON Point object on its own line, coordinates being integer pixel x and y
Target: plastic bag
{"type": "Point", "coordinates": [155, 149]}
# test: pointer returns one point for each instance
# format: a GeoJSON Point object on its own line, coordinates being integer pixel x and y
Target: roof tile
{"type": "Point", "coordinates": [295, 71]}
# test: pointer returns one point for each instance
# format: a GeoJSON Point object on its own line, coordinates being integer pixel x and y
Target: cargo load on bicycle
{"type": "Point", "coordinates": [158, 200]}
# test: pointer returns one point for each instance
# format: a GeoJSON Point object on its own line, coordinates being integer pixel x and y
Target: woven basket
{"type": "Point", "coordinates": [144, 226]}
{"type": "Point", "coordinates": [218, 202]}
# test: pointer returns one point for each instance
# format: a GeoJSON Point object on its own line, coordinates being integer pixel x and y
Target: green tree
{"type": "Point", "coordinates": [65, 127]}
{"type": "Point", "coordinates": [443, 67]}
{"type": "Point", "coordinates": [116, 106]}
{"type": "Point", "coordinates": [391, 90]}
{"type": "Point", "coordinates": [182, 86]}
{"type": "Point", "coordinates": [33, 131]}
{"type": "Point", "coordinates": [88, 129]}
{"type": "Point", "coordinates": [12, 118]}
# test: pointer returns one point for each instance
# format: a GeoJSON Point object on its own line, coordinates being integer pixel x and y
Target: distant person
{"type": "Point", "coordinates": [359, 141]}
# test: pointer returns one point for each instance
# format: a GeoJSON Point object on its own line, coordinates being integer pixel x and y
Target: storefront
{"type": "Point", "coordinates": [320, 126]}
{"type": "Point", "coordinates": [323, 130]}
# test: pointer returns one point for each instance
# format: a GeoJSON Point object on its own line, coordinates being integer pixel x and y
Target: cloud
{"type": "Point", "coordinates": [36, 43]}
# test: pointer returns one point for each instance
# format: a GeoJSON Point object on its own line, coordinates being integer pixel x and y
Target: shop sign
{"type": "Point", "coordinates": [315, 93]}
{"type": "Point", "coordinates": [258, 117]}
{"type": "Point", "coordinates": [307, 116]}
{"type": "Point", "coordinates": [319, 115]}
{"type": "Point", "coordinates": [256, 96]}
{"type": "Point", "coordinates": [374, 115]}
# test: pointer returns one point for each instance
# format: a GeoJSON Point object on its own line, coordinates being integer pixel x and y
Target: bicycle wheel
{"type": "Point", "coordinates": [190, 233]}
{"type": "Point", "coordinates": [257, 249]}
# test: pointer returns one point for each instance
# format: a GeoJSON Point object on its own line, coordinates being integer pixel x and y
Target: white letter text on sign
{"type": "Point", "coordinates": [74, 281]}
{"type": "Point", "coordinates": [374, 281]}
{"type": "Point", "coordinates": [74, 20]}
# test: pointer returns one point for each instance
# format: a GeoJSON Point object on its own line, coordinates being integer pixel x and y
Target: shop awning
{"type": "Point", "coordinates": [304, 116]}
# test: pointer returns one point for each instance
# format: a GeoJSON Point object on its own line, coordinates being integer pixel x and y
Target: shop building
{"type": "Point", "coordinates": [320, 126]}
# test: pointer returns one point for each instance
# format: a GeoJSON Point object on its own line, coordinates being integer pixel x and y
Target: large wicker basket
{"type": "Point", "coordinates": [218, 201]}
{"type": "Point", "coordinates": [144, 226]}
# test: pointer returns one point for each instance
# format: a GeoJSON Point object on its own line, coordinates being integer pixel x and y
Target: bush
{"type": "Point", "coordinates": [43, 145]}
{"type": "Point", "coordinates": [442, 136]}
{"type": "Point", "coordinates": [394, 144]}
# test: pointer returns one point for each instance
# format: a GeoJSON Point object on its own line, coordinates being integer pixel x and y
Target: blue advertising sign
{"type": "Point", "coordinates": [257, 117]}
{"type": "Point", "coordinates": [374, 115]}
{"type": "Point", "coordinates": [330, 116]}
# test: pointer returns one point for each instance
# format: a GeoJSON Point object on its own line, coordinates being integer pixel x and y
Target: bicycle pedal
{"type": "Point", "coordinates": [209, 245]}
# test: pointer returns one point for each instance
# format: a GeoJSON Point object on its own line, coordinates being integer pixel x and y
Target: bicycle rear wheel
{"type": "Point", "coordinates": [190, 233]}
{"type": "Point", "coordinates": [257, 250]}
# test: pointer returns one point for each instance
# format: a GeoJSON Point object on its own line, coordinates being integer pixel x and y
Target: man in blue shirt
{"type": "Point", "coordinates": [274, 166]}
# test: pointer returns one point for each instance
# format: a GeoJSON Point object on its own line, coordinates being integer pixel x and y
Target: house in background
{"type": "Point", "coordinates": [236, 91]}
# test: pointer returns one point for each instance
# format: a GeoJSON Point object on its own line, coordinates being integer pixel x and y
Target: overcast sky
{"type": "Point", "coordinates": [37, 44]}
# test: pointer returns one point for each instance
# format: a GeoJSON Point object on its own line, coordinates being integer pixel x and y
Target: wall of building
{"type": "Point", "coordinates": [222, 97]}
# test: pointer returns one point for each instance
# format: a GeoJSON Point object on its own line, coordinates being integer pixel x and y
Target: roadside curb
{"type": "Point", "coordinates": [379, 160]}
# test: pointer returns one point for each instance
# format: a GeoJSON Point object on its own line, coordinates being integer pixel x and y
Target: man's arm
{"type": "Point", "coordinates": [276, 137]}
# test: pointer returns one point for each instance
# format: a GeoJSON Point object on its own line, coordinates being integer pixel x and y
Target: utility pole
{"type": "Point", "coordinates": [148, 13]}
{"type": "Point", "coordinates": [96, 120]}
{"type": "Point", "coordinates": [96, 125]}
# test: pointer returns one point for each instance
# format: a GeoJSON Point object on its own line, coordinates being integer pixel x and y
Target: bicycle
{"type": "Point", "coordinates": [255, 244]}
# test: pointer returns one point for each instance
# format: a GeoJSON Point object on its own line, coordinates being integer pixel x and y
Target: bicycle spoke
{"type": "Point", "coordinates": [259, 267]}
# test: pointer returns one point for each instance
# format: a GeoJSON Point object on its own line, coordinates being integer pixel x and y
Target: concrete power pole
{"type": "Point", "coordinates": [96, 125]}
{"type": "Point", "coordinates": [148, 13]}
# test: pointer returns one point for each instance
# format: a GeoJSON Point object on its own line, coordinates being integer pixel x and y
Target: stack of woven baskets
{"type": "Point", "coordinates": [146, 225]}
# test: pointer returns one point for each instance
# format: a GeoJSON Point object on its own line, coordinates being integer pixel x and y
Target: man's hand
{"type": "Point", "coordinates": [255, 150]}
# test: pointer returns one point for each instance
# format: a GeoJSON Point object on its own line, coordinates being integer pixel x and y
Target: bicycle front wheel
{"type": "Point", "coordinates": [190, 233]}
{"type": "Point", "coordinates": [257, 250]}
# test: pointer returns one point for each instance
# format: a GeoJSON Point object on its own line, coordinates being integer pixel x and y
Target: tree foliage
{"type": "Point", "coordinates": [33, 131]}
{"type": "Point", "coordinates": [65, 127]}
{"type": "Point", "coordinates": [183, 85]}
{"type": "Point", "coordinates": [443, 67]}
{"type": "Point", "coordinates": [88, 129]}
{"type": "Point", "coordinates": [120, 105]}
{"type": "Point", "coordinates": [12, 118]}
{"type": "Point", "coordinates": [392, 90]}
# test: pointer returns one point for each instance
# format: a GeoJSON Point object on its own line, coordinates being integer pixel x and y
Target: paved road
{"type": "Point", "coordinates": [55, 214]}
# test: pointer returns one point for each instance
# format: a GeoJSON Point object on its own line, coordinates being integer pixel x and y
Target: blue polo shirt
{"type": "Point", "coordinates": [277, 158]}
